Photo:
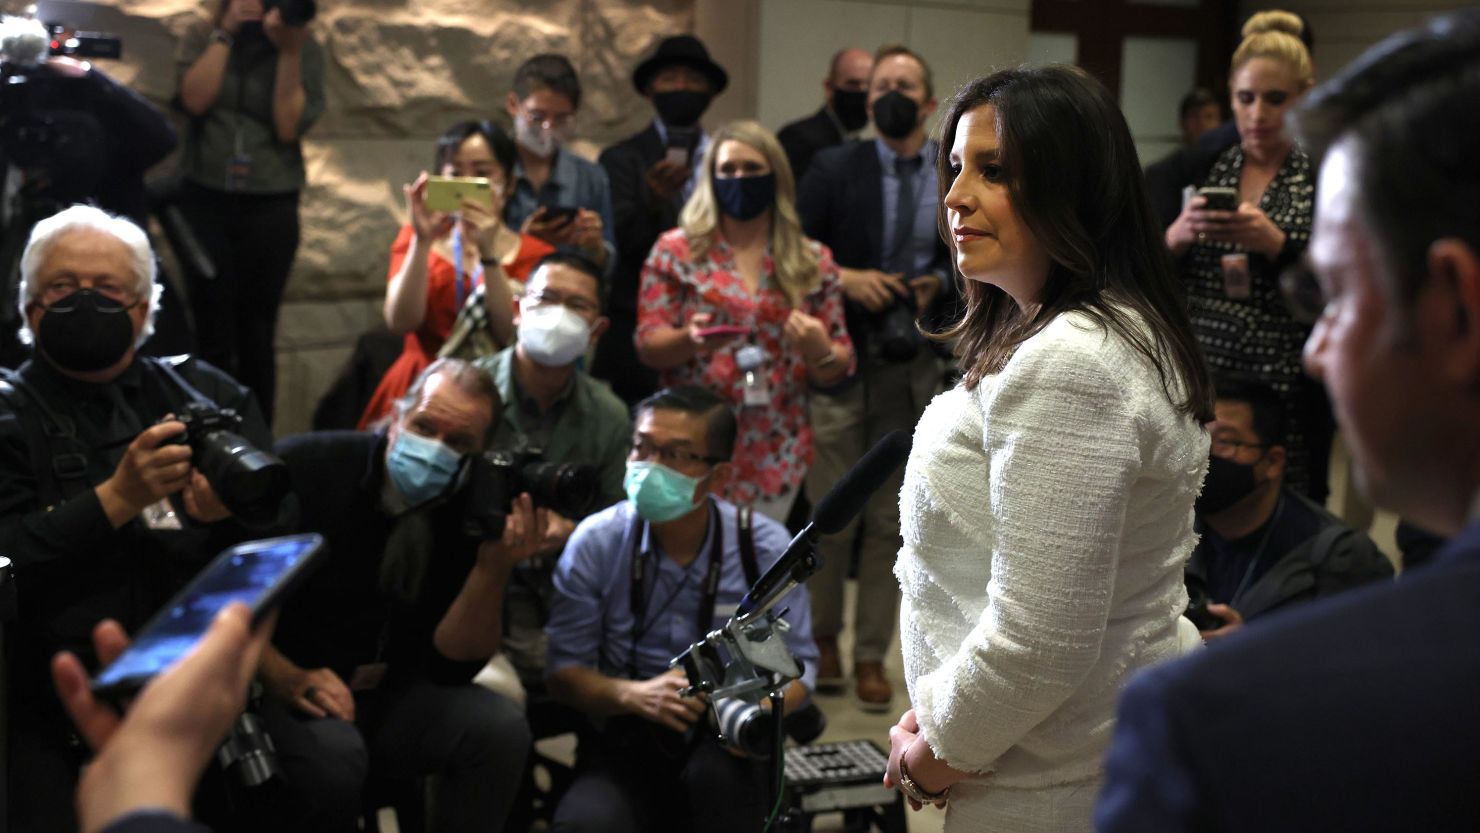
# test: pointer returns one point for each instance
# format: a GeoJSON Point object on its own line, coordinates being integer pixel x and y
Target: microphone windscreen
{"type": "Point", "coordinates": [845, 499]}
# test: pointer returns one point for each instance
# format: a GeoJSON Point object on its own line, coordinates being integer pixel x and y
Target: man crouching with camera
{"type": "Point", "coordinates": [370, 670]}
{"type": "Point", "coordinates": [638, 583]}
{"type": "Point", "coordinates": [108, 502]}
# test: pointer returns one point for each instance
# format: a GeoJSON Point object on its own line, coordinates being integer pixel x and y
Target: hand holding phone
{"type": "Point", "coordinates": [722, 330]}
{"type": "Point", "coordinates": [260, 574]}
{"type": "Point", "coordinates": [448, 193]}
{"type": "Point", "coordinates": [1219, 198]}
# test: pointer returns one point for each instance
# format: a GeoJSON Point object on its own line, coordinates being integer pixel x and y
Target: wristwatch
{"type": "Point", "coordinates": [222, 36]}
{"type": "Point", "coordinates": [912, 788]}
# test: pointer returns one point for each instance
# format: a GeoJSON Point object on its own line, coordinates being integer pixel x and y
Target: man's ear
{"type": "Point", "coordinates": [598, 327]}
{"type": "Point", "coordinates": [511, 105]}
{"type": "Point", "coordinates": [1275, 459]}
{"type": "Point", "coordinates": [1448, 311]}
{"type": "Point", "coordinates": [719, 476]}
{"type": "Point", "coordinates": [928, 110]}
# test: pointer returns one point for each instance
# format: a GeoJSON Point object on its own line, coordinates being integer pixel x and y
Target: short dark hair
{"type": "Point", "coordinates": [578, 262]}
{"type": "Point", "coordinates": [498, 142]}
{"type": "Point", "coordinates": [548, 72]}
{"type": "Point", "coordinates": [719, 417]}
{"type": "Point", "coordinates": [1199, 98]}
{"type": "Point", "coordinates": [1412, 97]}
{"type": "Point", "coordinates": [1267, 407]}
{"type": "Point", "coordinates": [891, 49]}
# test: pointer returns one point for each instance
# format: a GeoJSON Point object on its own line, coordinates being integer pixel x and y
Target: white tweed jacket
{"type": "Point", "coordinates": [1046, 517]}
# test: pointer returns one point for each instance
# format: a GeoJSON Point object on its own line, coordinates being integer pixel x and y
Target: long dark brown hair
{"type": "Point", "coordinates": [1075, 182]}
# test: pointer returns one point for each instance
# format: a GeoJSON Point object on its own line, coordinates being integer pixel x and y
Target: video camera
{"type": "Point", "coordinates": [74, 44]}
{"type": "Point", "coordinates": [495, 478]}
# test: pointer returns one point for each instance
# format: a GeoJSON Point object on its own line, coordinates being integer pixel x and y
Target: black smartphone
{"type": "Point", "coordinates": [1219, 198]}
{"type": "Point", "coordinates": [259, 574]}
{"type": "Point", "coordinates": [559, 214]}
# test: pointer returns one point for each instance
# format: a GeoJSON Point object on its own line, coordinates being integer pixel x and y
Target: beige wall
{"type": "Point", "coordinates": [1345, 29]}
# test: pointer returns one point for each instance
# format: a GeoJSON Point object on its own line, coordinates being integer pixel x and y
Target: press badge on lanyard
{"type": "Point", "coordinates": [1236, 281]}
{"type": "Point", "coordinates": [751, 361]}
{"type": "Point", "coordinates": [238, 167]}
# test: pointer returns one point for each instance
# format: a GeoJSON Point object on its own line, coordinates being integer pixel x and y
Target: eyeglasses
{"type": "Point", "coordinates": [549, 121]}
{"type": "Point", "coordinates": [55, 290]}
{"type": "Point", "coordinates": [574, 303]}
{"type": "Point", "coordinates": [645, 449]}
{"type": "Point", "coordinates": [1230, 448]}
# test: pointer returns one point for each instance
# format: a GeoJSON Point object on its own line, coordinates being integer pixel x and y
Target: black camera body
{"type": "Point", "coordinates": [495, 478]}
{"type": "Point", "coordinates": [294, 12]}
{"type": "Point", "coordinates": [893, 332]}
{"type": "Point", "coordinates": [250, 482]}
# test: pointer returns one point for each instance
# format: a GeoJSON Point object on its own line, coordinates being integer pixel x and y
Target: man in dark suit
{"type": "Point", "coordinates": [652, 174]}
{"type": "Point", "coordinates": [844, 111]}
{"type": "Point", "coordinates": [1358, 713]}
{"type": "Point", "coordinates": [874, 204]}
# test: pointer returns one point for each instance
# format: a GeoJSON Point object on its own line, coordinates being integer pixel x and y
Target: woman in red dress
{"type": "Point", "coordinates": [441, 260]}
{"type": "Point", "coordinates": [737, 300]}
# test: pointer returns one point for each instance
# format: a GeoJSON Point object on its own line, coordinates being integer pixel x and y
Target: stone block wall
{"type": "Point", "coordinates": [398, 72]}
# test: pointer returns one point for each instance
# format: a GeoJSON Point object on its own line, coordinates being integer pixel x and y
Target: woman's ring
{"type": "Point", "coordinates": [1201, 237]}
{"type": "Point", "coordinates": [309, 692]}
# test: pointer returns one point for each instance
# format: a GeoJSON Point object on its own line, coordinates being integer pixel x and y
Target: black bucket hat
{"type": "Point", "coordinates": [683, 50]}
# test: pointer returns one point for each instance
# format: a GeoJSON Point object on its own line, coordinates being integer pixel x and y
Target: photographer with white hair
{"type": "Point", "coordinates": [102, 508]}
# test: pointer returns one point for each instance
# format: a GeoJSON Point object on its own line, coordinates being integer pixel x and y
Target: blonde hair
{"type": "Point", "coordinates": [1275, 35]}
{"type": "Point", "coordinates": [794, 264]}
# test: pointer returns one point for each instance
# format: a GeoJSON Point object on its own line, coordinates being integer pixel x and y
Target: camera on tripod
{"type": "Point", "coordinates": [250, 482]}
{"type": "Point", "coordinates": [497, 477]}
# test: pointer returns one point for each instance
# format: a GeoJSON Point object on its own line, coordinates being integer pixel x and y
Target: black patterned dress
{"type": "Point", "coordinates": [1255, 339]}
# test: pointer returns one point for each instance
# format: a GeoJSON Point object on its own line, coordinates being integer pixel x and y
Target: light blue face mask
{"type": "Point", "coordinates": [420, 467]}
{"type": "Point", "coordinates": [659, 493]}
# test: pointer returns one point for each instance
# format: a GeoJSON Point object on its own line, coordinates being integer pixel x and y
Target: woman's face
{"type": "Point", "coordinates": [475, 158]}
{"type": "Point", "coordinates": [735, 158]}
{"type": "Point", "coordinates": [1264, 90]}
{"type": "Point", "coordinates": [993, 244]}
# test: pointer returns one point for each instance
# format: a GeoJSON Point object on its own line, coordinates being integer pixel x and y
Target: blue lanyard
{"type": "Point", "coordinates": [462, 285]}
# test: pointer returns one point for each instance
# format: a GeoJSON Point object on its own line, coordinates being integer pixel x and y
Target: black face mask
{"type": "Point", "coordinates": [680, 108]}
{"type": "Point", "coordinates": [1228, 483]}
{"type": "Point", "coordinates": [851, 108]}
{"type": "Point", "coordinates": [896, 115]}
{"type": "Point", "coordinates": [745, 197]}
{"type": "Point", "coordinates": [85, 332]}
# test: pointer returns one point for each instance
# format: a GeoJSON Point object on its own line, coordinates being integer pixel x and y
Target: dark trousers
{"type": "Point", "coordinates": [643, 778]}
{"type": "Point", "coordinates": [42, 773]}
{"type": "Point", "coordinates": [475, 741]}
{"type": "Point", "coordinates": [251, 239]}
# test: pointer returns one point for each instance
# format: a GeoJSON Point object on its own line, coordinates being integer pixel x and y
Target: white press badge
{"type": "Point", "coordinates": [751, 361]}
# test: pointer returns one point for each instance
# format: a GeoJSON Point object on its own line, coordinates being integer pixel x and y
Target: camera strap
{"type": "Point", "coordinates": [63, 473]}
{"type": "Point", "coordinates": [167, 366]}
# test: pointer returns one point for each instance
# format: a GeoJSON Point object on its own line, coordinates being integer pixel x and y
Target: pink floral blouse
{"type": "Point", "coordinates": [773, 449]}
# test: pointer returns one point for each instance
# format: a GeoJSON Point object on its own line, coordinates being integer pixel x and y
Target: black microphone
{"type": "Point", "coordinates": [832, 513]}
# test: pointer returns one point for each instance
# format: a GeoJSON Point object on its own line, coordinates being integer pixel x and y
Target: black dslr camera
{"type": "Point", "coordinates": [294, 12]}
{"type": "Point", "coordinates": [894, 331]}
{"type": "Point", "coordinates": [250, 481]}
{"type": "Point", "coordinates": [497, 477]}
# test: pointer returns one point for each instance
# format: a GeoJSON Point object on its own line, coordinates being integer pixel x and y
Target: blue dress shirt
{"type": "Point", "coordinates": [574, 183]}
{"type": "Point", "coordinates": [591, 622]}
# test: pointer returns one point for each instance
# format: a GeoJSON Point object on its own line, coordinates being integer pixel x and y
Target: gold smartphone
{"type": "Point", "coordinates": [448, 193]}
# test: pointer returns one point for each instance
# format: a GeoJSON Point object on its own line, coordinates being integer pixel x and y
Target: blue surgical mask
{"type": "Point", "coordinates": [745, 197]}
{"type": "Point", "coordinates": [420, 467]}
{"type": "Point", "coordinates": [659, 493]}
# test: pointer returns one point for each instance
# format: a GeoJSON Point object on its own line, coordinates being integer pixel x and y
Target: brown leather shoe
{"type": "Point", "coordinates": [830, 678]}
{"type": "Point", "coordinates": [872, 687]}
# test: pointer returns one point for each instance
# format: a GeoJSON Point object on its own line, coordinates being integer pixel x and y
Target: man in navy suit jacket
{"type": "Point", "coordinates": [1362, 713]}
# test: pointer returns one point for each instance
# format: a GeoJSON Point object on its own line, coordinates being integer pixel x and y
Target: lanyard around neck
{"type": "Point", "coordinates": [639, 599]}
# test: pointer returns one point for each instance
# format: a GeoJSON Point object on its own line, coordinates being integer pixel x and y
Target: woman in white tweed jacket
{"type": "Point", "coordinates": [1047, 505]}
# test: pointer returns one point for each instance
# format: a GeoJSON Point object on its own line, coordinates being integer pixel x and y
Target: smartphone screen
{"type": "Point", "coordinates": [257, 573]}
{"type": "Point", "coordinates": [1219, 199]}
{"type": "Point", "coordinates": [559, 214]}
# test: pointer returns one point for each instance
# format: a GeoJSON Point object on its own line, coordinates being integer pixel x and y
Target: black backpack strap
{"type": "Point", "coordinates": [745, 522]}
{"type": "Point", "coordinates": [57, 472]}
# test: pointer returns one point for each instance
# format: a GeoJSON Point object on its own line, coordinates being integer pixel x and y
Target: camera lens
{"type": "Point", "coordinates": [745, 726]}
{"type": "Point", "coordinates": [250, 481]}
{"type": "Point", "coordinates": [568, 488]}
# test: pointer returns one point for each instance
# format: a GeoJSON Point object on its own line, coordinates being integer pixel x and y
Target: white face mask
{"type": "Point", "coordinates": [553, 335]}
{"type": "Point", "coordinates": [541, 141]}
